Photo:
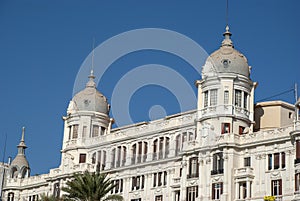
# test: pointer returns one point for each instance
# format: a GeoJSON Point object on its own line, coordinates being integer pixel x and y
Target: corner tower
{"type": "Point", "coordinates": [225, 93]}
{"type": "Point", "coordinates": [86, 123]}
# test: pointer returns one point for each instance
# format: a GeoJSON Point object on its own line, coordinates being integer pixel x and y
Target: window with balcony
{"type": "Point", "coordinates": [160, 179]}
{"type": "Point", "coordinates": [218, 164]}
{"type": "Point", "coordinates": [192, 193]}
{"type": "Point", "coordinates": [217, 191]}
{"type": "Point", "coordinates": [118, 186]}
{"type": "Point", "coordinates": [193, 168]}
{"type": "Point", "coordinates": [138, 182]}
{"type": "Point", "coordinates": [276, 187]}
{"type": "Point", "coordinates": [225, 128]}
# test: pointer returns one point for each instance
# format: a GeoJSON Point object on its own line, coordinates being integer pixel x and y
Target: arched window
{"type": "Point", "coordinates": [139, 152]}
{"type": "Point", "coordinates": [10, 196]}
{"type": "Point", "coordinates": [14, 172]}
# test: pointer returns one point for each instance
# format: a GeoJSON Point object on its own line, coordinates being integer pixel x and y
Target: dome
{"type": "Point", "coordinates": [20, 161]}
{"type": "Point", "coordinates": [226, 60]}
{"type": "Point", "coordinates": [89, 99]}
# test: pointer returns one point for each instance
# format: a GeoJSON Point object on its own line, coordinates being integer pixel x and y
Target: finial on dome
{"type": "Point", "coordinates": [23, 134]}
{"type": "Point", "coordinates": [227, 41]}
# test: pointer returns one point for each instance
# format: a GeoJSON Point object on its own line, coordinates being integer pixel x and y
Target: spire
{"type": "Point", "coordinates": [227, 41]}
{"type": "Point", "coordinates": [91, 82]}
{"type": "Point", "coordinates": [22, 146]}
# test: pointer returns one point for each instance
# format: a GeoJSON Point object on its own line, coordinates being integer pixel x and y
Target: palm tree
{"type": "Point", "coordinates": [90, 187]}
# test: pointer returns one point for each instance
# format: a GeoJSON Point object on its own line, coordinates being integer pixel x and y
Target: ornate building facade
{"type": "Point", "coordinates": [227, 149]}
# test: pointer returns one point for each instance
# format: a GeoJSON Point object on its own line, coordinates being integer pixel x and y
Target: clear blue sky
{"type": "Point", "coordinates": [44, 43]}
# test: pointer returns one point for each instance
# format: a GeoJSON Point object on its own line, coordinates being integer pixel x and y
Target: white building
{"type": "Point", "coordinates": [228, 149]}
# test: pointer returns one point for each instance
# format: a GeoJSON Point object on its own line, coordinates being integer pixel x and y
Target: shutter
{"type": "Point", "coordinates": [223, 128]}
{"type": "Point", "coordinates": [297, 149]}
{"type": "Point", "coordinates": [280, 186]}
{"type": "Point", "coordinates": [213, 191]}
{"type": "Point", "coordinates": [282, 160]}
{"type": "Point", "coordinates": [272, 187]}
{"type": "Point", "coordinates": [276, 160]}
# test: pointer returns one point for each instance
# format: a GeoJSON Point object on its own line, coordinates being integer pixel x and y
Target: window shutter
{"type": "Point", "coordinates": [282, 160]}
{"type": "Point", "coordinates": [213, 191]}
{"type": "Point", "coordinates": [280, 186]}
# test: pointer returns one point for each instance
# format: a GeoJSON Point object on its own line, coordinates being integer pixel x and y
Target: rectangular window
{"type": "Point", "coordinates": [56, 190]}
{"type": "Point", "coordinates": [95, 131]}
{"type": "Point", "coordinates": [70, 132]}
{"type": "Point", "coordinates": [177, 196]}
{"type": "Point", "coordinates": [193, 168]}
{"type": "Point", "coordinates": [241, 130]}
{"type": "Point", "coordinates": [192, 193]}
{"type": "Point", "coordinates": [276, 161]}
{"type": "Point", "coordinates": [165, 178]}
{"type": "Point", "coordinates": [247, 162]}
{"type": "Point", "coordinates": [102, 130]}
{"type": "Point", "coordinates": [238, 98]}
{"type": "Point", "coordinates": [205, 99]}
{"type": "Point", "coordinates": [159, 198]}
{"type": "Point", "coordinates": [242, 190]}
{"type": "Point", "coordinates": [133, 183]}
{"type": "Point", "coordinates": [154, 179]}
{"type": "Point", "coordinates": [82, 158]}
{"type": "Point", "coordinates": [75, 131]}
{"type": "Point", "coordinates": [245, 100]}
{"type": "Point", "coordinates": [270, 161]}
{"type": "Point", "coordinates": [217, 191]}
{"type": "Point", "coordinates": [226, 97]}
{"type": "Point", "coordinates": [159, 179]}
{"type": "Point", "coordinates": [276, 187]}
{"type": "Point", "coordinates": [297, 182]}
{"type": "Point", "coordinates": [218, 164]}
{"type": "Point", "coordinates": [225, 128]}
{"type": "Point", "coordinates": [213, 97]}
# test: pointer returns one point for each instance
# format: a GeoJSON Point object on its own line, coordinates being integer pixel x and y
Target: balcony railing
{"type": "Point", "coordinates": [193, 175]}
{"type": "Point", "coordinates": [220, 171]}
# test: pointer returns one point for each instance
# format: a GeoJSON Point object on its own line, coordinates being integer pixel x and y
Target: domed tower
{"type": "Point", "coordinates": [225, 93]}
{"type": "Point", "coordinates": [19, 167]}
{"type": "Point", "coordinates": [87, 121]}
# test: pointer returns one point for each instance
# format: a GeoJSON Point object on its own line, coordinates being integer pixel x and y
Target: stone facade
{"type": "Point", "coordinates": [227, 149]}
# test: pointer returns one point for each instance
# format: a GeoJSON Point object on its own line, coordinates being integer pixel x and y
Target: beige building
{"type": "Point", "coordinates": [227, 149]}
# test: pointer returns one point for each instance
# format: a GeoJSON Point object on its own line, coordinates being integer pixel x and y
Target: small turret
{"type": "Point", "coordinates": [19, 167]}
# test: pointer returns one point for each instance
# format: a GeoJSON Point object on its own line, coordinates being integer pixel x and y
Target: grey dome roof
{"type": "Point", "coordinates": [20, 161]}
{"type": "Point", "coordinates": [226, 60]}
{"type": "Point", "coordinates": [90, 99]}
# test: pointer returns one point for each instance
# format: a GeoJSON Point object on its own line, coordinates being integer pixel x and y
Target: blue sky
{"type": "Point", "coordinates": [43, 45]}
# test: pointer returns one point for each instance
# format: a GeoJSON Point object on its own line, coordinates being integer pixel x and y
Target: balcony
{"type": "Point", "coordinates": [244, 172]}
{"type": "Point", "coordinates": [214, 172]}
{"type": "Point", "coordinates": [193, 175]}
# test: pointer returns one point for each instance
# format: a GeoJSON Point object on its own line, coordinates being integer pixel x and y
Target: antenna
{"type": "Point", "coordinates": [296, 92]}
{"type": "Point", "coordinates": [93, 54]}
{"type": "Point", "coordinates": [4, 149]}
{"type": "Point", "coordinates": [3, 166]}
{"type": "Point", "coordinates": [227, 5]}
